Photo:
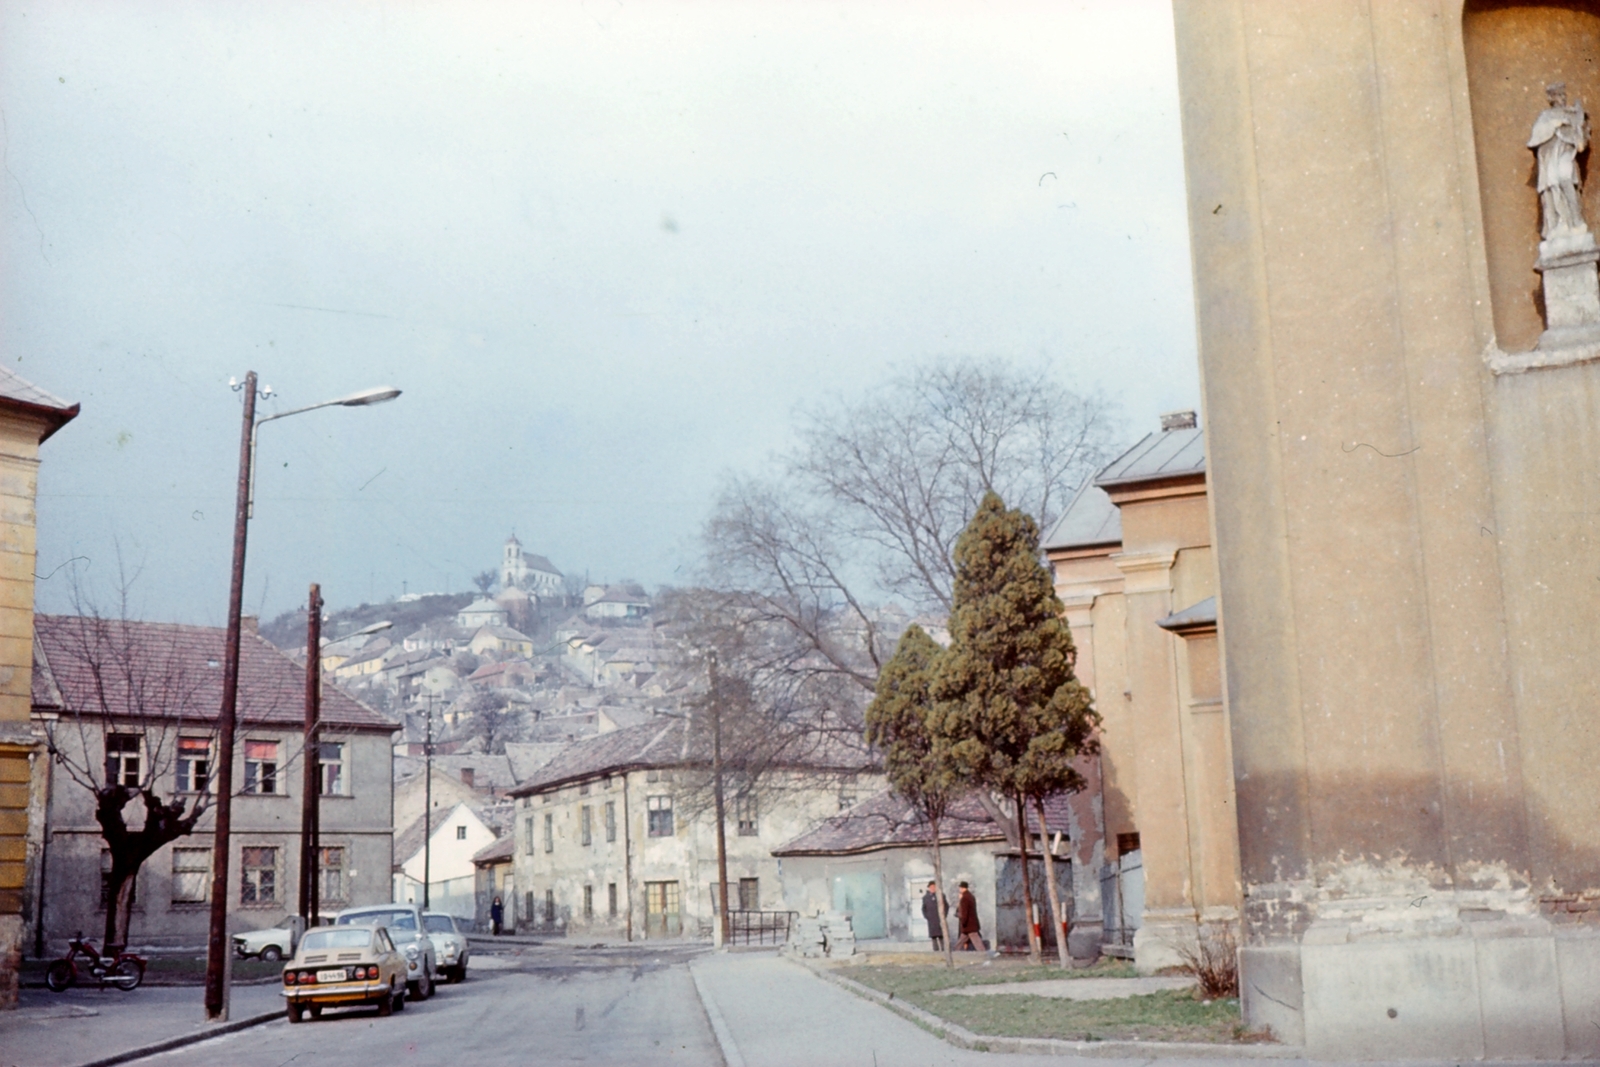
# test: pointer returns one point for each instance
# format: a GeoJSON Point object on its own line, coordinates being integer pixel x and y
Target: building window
{"type": "Point", "coordinates": [586, 825]}
{"type": "Point", "coordinates": [611, 820]}
{"type": "Point", "coordinates": [191, 875]}
{"type": "Point", "coordinates": [588, 902]}
{"type": "Point", "coordinates": [461, 833]}
{"type": "Point", "coordinates": [549, 832]}
{"type": "Point", "coordinates": [330, 759]}
{"type": "Point", "coordinates": [659, 813]}
{"type": "Point", "coordinates": [749, 894]}
{"type": "Point", "coordinates": [744, 810]}
{"type": "Point", "coordinates": [583, 790]}
{"type": "Point", "coordinates": [550, 907]}
{"type": "Point", "coordinates": [122, 760]}
{"type": "Point", "coordinates": [258, 876]}
{"type": "Point", "coordinates": [611, 899]}
{"type": "Point", "coordinates": [106, 888]}
{"type": "Point", "coordinates": [527, 834]}
{"type": "Point", "coordinates": [194, 764]}
{"type": "Point", "coordinates": [261, 767]}
{"type": "Point", "coordinates": [330, 864]}
{"type": "Point", "coordinates": [527, 901]}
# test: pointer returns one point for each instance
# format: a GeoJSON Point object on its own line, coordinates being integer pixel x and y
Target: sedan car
{"type": "Point", "coordinates": [404, 923]}
{"type": "Point", "coordinates": [345, 966]}
{"type": "Point", "coordinates": [271, 945]}
{"type": "Point", "coordinates": [449, 944]}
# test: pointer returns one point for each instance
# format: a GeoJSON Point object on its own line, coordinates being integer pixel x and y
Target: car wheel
{"type": "Point", "coordinates": [296, 1013]}
{"type": "Point", "coordinates": [414, 990]}
{"type": "Point", "coordinates": [400, 999]}
{"type": "Point", "coordinates": [427, 987]}
{"type": "Point", "coordinates": [386, 1003]}
{"type": "Point", "coordinates": [316, 1011]}
{"type": "Point", "coordinates": [271, 954]}
{"type": "Point", "coordinates": [461, 973]}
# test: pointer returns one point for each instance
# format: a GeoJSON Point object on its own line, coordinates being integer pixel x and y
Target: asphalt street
{"type": "Point", "coordinates": [534, 1004]}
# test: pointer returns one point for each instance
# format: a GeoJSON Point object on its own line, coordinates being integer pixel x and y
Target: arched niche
{"type": "Point", "coordinates": [1513, 50]}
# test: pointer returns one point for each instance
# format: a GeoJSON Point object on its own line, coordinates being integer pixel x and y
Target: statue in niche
{"type": "Point", "coordinates": [1560, 133]}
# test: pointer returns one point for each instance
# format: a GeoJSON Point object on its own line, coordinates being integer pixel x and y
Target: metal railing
{"type": "Point", "coordinates": [759, 927]}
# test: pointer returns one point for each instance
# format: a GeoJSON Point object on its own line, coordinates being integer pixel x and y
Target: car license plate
{"type": "Point", "coordinates": [331, 976]}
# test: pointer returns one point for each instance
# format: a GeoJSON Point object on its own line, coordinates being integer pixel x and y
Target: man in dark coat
{"type": "Point", "coordinates": [967, 917]}
{"type": "Point", "coordinates": [930, 912]}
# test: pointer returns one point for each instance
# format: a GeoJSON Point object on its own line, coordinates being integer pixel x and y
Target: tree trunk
{"type": "Point", "coordinates": [1034, 952]}
{"type": "Point", "coordinates": [938, 889]}
{"type": "Point", "coordinates": [119, 909]}
{"type": "Point", "coordinates": [1055, 893]}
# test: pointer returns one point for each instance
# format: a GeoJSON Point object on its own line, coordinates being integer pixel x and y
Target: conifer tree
{"type": "Point", "coordinates": [1014, 713]}
{"type": "Point", "coordinates": [904, 723]}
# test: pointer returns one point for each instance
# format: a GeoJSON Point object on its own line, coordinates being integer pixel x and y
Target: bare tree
{"type": "Point", "coordinates": [871, 502]}
{"type": "Point", "coordinates": [494, 720]}
{"type": "Point", "coordinates": [145, 703]}
{"type": "Point", "coordinates": [485, 580]}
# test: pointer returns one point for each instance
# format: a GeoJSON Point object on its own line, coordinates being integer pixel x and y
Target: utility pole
{"type": "Point", "coordinates": [427, 805]}
{"type": "Point", "coordinates": [716, 776]}
{"type": "Point", "coordinates": [218, 956]}
{"type": "Point", "coordinates": [311, 802]}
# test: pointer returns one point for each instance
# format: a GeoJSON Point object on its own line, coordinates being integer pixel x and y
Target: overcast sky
{"type": "Point", "coordinates": [606, 249]}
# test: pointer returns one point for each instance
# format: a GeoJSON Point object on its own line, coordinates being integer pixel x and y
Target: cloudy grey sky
{"type": "Point", "coordinates": [605, 248]}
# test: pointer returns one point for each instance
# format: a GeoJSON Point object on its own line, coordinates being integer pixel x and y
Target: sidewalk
{"type": "Point", "coordinates": [755, 1001]}
{"type": "Point", "coordinates": [88, 1025]}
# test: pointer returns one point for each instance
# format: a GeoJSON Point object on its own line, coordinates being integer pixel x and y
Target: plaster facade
{"type": "Point", "coordinates": [1403, 531]}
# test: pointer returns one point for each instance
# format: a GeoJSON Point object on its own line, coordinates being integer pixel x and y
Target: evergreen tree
{"type": "Point", "coordinates": [1016, 715]}
{"type": "Point", "coordinates": [904, 723]}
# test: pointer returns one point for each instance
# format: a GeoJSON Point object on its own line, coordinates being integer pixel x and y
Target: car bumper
{"type": "Point", "coordinates": [336, 993]}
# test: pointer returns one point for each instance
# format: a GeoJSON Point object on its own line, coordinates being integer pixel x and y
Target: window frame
{"type": "Point", "coordinates": [256, 885]}
{"type": "Point", "coordinates": [338, 889]}
{"type": "Point", "coordinates": [179, 873]}
{"type": "Point", "coordinates": [658, 816]}
{"type": "Point", "coordinates": [586, 825]}
{"type": "Point", "coordinates": [184, 772]}
{"type": "Point", "coordinates": [254, 779]}
{"type": "Point", "coordinates": [611, 820]}
{"type": "Point", "coordinates": [341, 767]}
{"type": "Point", "coordinates": [121, 777]}
{"type": "Point", "coordinates": [549, 831]}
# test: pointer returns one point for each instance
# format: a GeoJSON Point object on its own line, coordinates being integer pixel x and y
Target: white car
{"type": "Point", "coordinates": [270, 945]}
{"type": "Point", "coordinates": [449, 945]}
{"type": "Point", "coordinates": [404, 923]}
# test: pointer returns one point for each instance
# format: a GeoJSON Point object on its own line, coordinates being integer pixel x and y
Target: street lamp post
{"type": "Point", "coordinates": [218, 956]}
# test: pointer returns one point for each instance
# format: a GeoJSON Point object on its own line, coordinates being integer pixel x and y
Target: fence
{"type": "Point", "coordinates": [759, 927]}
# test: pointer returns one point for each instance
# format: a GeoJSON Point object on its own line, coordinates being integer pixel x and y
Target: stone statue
{"type": "Point", "coordinates": [1560, 133]}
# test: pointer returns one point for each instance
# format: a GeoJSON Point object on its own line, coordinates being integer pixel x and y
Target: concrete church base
{"type": "Point", "coordinates": [1497, 989]}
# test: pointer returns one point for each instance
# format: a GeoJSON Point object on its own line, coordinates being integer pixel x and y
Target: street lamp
{"type": "Point", "coordinates": [311, 801]}
{"type": "Point", "coordinates": [217, 949]}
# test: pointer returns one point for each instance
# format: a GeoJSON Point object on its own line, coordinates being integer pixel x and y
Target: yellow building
{"type": "Point", "coordinates": [28, 416]}
{"type": "Point", "coordinates": [1399, 332]}
{"type": "Point", "coordinates": [1133, 567]}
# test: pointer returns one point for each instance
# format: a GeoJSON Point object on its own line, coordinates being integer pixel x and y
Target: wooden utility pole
{"type": "Point", "coordinates": [716, 776]}
{"type": "Point", "coordinates": [310, 802]}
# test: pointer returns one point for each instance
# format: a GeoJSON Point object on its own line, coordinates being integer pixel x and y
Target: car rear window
{"type": "Point", "coordinates": [439, 924]}
{"type": "Point", "coordinates": [323, 940]}
{"type": "Point", "coordinates": [394, 920]}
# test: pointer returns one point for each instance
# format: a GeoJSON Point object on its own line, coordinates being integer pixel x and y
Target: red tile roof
{"type": "Point", "coordinates": [168, 670]}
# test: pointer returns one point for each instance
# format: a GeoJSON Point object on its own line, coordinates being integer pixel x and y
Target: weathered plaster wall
{"type": "Point", "coordinates": [1407, 585]}
{"type": "Point", "coordinates": [808, 883]}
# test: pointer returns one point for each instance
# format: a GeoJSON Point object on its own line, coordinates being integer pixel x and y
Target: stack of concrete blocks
{"type": "Point", "coordinates": [824, 934]}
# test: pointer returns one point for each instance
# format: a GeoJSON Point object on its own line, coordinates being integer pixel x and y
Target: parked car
{"type": "Point", "coordinates": [345, 966]}
{"type": "Point", "coordinates": [449, 944]}
{"type": "Point", "coordinates": [404, 923]}
{"type": "Point", "coordinates": [270, 945]}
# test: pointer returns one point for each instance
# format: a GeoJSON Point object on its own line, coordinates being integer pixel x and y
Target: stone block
{"type": "Point", "coordinates": [1517, 989]}
{"type": "Point", "coordinates": [1577, 953]}
{"type": "Point", "coordinates": [1401, 998]}
{"type": "Point", "coordinates": [1270, 991]}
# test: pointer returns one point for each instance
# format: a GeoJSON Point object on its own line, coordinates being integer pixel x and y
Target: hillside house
{"type": "Point", "coordinates": [500, 641]}
{"type": "Point", "coordinates": [480, 613]}
{"type": "Point", "coordinates": [454, 837]}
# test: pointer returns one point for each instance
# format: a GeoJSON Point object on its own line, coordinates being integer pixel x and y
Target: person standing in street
{"type": "Point", "coordinates": [967, 919]}
{"type": "Point", "coordinates": [497, 914]}
{"type": "Point", "coordinates": [930, 912]}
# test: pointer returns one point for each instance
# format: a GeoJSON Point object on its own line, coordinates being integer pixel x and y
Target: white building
{"type": "Point", "coordinates": [529, 572]}
{"type": "Point", "coordinates": [457, 835]}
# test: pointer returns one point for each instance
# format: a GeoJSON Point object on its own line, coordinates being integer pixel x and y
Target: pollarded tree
{"type": "Point", "coordinates": [1017, 714]}
{"type": "Point", "coordinates": [905, 723]}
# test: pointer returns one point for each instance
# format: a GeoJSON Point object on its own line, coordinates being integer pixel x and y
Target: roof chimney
{"type": "Point", "coordinates": [466, 777]}
{"type": "Point", "coordinates": [1178, 420]}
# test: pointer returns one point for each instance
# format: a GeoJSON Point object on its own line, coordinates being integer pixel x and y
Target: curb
{"type": "Point", "coordinates": [961, 1037]}
{"type": "Point", "coordinates": [195, 1038]}
{"type": "Point", "coordinates": [731, 1057]}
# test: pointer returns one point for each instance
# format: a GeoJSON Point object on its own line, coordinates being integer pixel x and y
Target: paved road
{"type": "Point", "coordinates": [630, 1004]}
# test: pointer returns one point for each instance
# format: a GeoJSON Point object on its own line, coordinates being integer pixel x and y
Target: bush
{"type": "Point", "coordinates": [1213, 959]}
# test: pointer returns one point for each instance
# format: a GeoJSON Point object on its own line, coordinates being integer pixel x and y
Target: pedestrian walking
{"type": "Point", "coordinates": [930, 912]}
{"type": "Point", "coordinates": [967, 920]}
{"type": "Point", "coordinates": [497, 914]}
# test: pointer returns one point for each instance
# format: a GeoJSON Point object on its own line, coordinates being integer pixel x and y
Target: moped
{"type": "Point", "coordinates": [121, 969]}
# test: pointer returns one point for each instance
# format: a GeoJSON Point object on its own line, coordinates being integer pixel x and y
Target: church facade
{"type": "Point", "coordinates": [531, 573]}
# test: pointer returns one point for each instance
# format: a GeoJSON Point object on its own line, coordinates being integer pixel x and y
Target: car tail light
{"type": "Point", "coordinates": [288, 978]}
{"type": "Point", "coordinates": [306, 977]}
